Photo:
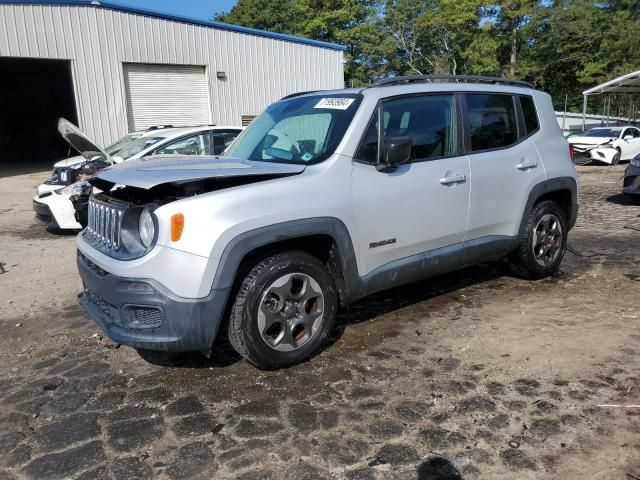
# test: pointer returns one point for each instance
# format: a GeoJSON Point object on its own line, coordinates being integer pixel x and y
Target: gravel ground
{"type": "Point", "coordinates": [471, 375]}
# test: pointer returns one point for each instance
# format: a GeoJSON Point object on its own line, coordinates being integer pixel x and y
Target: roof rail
{"type": "Point", "coordinates": [450, 78]}
{"type": "Point", "coordinates": [297, 94]}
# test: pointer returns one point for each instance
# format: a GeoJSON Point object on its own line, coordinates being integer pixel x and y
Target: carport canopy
{"type": "Point", "coordinates": [628, 84]}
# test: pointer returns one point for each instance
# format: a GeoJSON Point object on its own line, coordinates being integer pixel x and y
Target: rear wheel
{"type": "Point", "coordinates": [284, 310]}
{"type": "Point", "coordinates": [543, 242]}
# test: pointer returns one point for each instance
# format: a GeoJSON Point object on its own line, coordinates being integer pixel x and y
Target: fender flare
{"type": "Point", "coordinates": [548, 186]}
{"type": "Point", "coordinates": [244, 243]}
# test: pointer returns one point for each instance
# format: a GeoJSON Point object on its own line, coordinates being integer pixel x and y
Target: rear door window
{"type": "Point", "coordinates": [492, 121]}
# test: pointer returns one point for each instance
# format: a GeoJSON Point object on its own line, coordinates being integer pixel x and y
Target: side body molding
{"type": "Point", "coordinates": [241, 245]}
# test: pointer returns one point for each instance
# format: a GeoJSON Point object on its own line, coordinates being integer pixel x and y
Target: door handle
{"type": "Point", "coordinates": [449, 178]}
{"type": "Point", "coordinates": [526, 164]}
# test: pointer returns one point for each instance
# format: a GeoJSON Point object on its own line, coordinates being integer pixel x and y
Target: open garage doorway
{"type": "Point", "coordinates": [34, 93]}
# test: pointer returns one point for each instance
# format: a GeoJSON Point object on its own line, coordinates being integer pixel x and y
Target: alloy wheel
{"type": "Point", "coordinates": [547, 240]}
{"type": "Point", "coordinates": [290, 312]}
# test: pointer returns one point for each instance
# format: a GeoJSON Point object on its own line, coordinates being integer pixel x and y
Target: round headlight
{"type": "Point", "coordinates": [146, 228]}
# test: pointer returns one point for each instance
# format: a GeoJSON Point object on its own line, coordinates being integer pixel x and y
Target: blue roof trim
{"type": "Point", "coordinates": [165, 16]}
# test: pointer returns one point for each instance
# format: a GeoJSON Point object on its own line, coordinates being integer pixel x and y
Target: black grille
{"type": "Point", "coordinates": [628, 181]}
{"type": "Point", "coordinates": [146, 317]}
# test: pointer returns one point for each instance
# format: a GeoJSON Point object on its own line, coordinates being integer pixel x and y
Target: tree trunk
{"type": "Point", "coordinates": [514, 53]}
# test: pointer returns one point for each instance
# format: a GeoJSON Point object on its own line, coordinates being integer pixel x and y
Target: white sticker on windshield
{"type": "Point", "coordinates": [335, 103]}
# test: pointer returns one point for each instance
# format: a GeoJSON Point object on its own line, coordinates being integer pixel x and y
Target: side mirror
{"type": "Point", "coordinates": [396, 151]}
{"type": "Point", "coordinates": [628, 137]}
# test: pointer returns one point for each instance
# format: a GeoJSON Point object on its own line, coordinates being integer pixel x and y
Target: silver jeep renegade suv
{"type": "Point", "coordinates": [325, 198]}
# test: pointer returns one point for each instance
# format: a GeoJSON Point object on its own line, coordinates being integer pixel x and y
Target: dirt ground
{"type": "Point", "coordinates": [471, 375]}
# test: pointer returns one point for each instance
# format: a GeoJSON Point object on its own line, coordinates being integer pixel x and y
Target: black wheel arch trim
{"type": "Point", "coordinates": [243, 244]}
{"type": "Point", "coordinates": [549, 186]}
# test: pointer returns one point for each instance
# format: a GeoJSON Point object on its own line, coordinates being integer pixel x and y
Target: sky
{"type": "Point", "coordinates": [197, 9]}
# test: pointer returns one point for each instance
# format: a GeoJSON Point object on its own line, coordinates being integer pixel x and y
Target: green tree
{"type": "Point", "coordinates": [562, 46]}
{"type": "Point", "coordinates": [272, 15]}
{"type": "Point", "coordinates": [510, 18]}
{"type": "Point", "coordinates": [442, 36]}
{"type": "Point", "coordinates": [572, 45]}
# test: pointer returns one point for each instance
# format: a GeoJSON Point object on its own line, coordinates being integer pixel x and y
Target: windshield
{"type": "Point", "coordinates": [136, 146]}
{"type": "Point", "coordinates": [300, 130]}
{"type": "Point", "coordinates": [603, 132]}
{"type": "Point", "coordinates": [115, 147]}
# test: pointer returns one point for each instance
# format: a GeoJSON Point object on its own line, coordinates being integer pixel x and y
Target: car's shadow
{"type": "Point", "coordinates": [388, 301]}
{"type": "Point", "coordinates": [61, 233]}
{"type": "Point", "coordinates": [624, 199]}
{"type": "Point", "coordinates": [362, 311]}
{"type": "Point", "coordinates": [223, 355]}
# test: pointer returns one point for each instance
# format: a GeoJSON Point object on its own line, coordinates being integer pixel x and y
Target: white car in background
{"type": "Point", "coordinates": [606, 144]}
{"type": "Point", "coordinates": [53, 202]}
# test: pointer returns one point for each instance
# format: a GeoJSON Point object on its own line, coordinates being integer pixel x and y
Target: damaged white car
{"type": "Point", "coordinates": [606, 145]}
{"type": "Point", "coordinates": [60, 202]}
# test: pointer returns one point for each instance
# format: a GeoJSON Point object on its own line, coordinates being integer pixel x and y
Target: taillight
{"type": "Point", "coordinates": [571, 152]}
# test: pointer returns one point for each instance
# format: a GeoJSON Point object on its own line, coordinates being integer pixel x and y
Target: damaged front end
{"type": "Point", "coordinates": [129, 189]}
{"type": "Point", "coordinates": [148, 304]}
{"type": "Point", "coordinates": [164, 179]}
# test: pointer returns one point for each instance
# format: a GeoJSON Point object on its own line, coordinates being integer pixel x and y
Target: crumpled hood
{"type": "Point", "coordinates": [589, 140]}
{"type": "Point", "coordinates": [148, 172]}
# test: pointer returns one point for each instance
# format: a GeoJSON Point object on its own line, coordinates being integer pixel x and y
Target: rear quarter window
{"type": "Point", "coordinates": [529, 113]}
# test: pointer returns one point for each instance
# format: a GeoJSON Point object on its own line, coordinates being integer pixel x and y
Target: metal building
{"type": "Point", "coordinates": [113, 69]}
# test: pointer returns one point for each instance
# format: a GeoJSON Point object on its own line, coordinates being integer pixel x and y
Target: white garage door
{"type": "Point", "coordinates": [166, 95]}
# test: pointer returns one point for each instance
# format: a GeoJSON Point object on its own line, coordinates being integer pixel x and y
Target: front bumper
{"type": "Point", "coordinates": [631, 180]}
{"type": "Point", "coordinates": [44, 214]}
{"type": "Point", "coordinates": [143, 314]}
{"type": "Point", "coordinates": [594, 153]}
{"type": "Point", "coordinates": [56, 211]}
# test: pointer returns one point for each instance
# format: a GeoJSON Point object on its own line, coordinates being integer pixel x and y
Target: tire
{"type": "Point", "coordinates": [285, 309]}
{"type": "Point", "coordinates": [616, 158]}
{"type": "Point", "coordinates": [530, 260]}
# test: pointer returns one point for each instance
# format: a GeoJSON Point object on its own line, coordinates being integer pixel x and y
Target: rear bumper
{"type": "Point", "coordinates": [631, 183]}
{"type": "Point", "coordinates": [143, 314]}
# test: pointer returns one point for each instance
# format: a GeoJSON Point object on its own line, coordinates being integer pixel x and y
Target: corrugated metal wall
{"type": "Point", "coordinates": [98, 41]}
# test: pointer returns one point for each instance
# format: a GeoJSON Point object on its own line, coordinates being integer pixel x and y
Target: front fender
{"type": "Point", "coordinates": [223, 271]}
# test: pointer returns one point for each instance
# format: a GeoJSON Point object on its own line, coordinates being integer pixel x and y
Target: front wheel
{"type": "Point", "coordinates": [284, 310]}
{"type": "Point", "coordinates": [616, 158]}
{"type": "Point", "coordinates": [543, 242]}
